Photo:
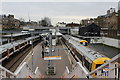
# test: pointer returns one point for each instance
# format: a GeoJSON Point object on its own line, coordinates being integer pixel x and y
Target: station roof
{"type": "Point", "coordinates": [10, 31]}
{"type": "Point", "coordinates": [57, 33]}
{"type": "Point", "coordinates": [15, 35]}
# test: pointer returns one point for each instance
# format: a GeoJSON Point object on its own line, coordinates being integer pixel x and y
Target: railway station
{"type": "Point", "coordinates": [51, 54]}
{"type": "Point", "coordinates": [74, 48]}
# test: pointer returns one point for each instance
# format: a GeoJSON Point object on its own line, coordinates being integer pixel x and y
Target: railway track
{"type": "Point", "coordinates": [71, 52]}
{"type": "Point", "coordinates": [14, 61]}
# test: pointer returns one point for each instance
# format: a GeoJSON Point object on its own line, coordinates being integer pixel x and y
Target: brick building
{"type": "Point", "coordinates": [108, 23]}
{"type": "Point", "coordinates": [9, 22]}
{"type": "Point", "coordinates": [72, 25]}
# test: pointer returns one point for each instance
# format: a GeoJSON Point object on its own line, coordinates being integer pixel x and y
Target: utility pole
{"type": "Point", "coordinates": [50, 57]}
{"type": "Point", "coordinates": [11, 38]}
{"type": "Point", "coordinates": [31, 42]}
{"type": "Point", "coordinates": [50, 48]}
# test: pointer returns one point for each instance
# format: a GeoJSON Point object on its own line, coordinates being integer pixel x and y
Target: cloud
{"type": "Point", "coordinates": [57, 11]}
{"type": "Point", "coordinates": [60, 0]}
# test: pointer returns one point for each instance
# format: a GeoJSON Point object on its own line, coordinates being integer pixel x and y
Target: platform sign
{"type": "Point", "coordinates": [52, 58]}
{"type": "Point", "coordinates": [30, 42]}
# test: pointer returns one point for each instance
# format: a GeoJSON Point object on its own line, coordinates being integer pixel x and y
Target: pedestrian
{"type": "Point", "coordinates": [42, 54]}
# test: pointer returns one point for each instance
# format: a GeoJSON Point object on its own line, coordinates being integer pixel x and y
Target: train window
{"type": "Point", "coordinates": [79, 56]}
{"type": "Point", "coordinates": [87, 65]}
{"type": "Point", "coordinates": [90, 67]}
{"type": "Point", "coordinates": [11, 50]}
{"type": "Point", "coordinates": [97, 65]}
{"type": "Point", "coordinates": [21, 44]}
{"type": "Point", "coordinates": [29, 42]}
{"type": "Point", "coordinates": [25, 42]}
{"type": "Point", "coordinates": [16, 47]}
{"type": "Point", "coordinates": [53, 37]}
{"type": "Point", "coordinates": [4, 54]}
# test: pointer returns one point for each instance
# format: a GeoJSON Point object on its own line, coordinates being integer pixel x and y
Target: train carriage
{"type": "Point", "coordinates": [9, 49]}
{"type": "Point", "coordinates": [89, 58]}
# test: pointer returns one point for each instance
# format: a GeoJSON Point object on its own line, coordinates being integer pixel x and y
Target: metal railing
{"type": "Point", "coordinates": [112, 71]}
{"type": "Point", "coordinates": [79, 71]}
{"type": "Point", "coordinates": [23, 71]}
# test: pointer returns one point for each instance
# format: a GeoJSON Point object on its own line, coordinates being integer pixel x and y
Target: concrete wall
{"type": "Point", "coordinates": [95, 40]}
{"type": "Point", "coordinates": [107, 41]}
{"type": "Point", "coordinates": [74, 31]}
{"type": "Point", "coordinates": [111, 42]}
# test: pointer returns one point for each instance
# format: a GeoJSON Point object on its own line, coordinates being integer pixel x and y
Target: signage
{"type": "Point", "coordinates": [52, 58]}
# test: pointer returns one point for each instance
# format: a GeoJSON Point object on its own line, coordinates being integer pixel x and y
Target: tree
{"type": "Point", "coordinates": [45, 22]}
{"type": "Point", "coordinates": [21, 19]}
{"type": "Point", "coordinates": [22, 22]}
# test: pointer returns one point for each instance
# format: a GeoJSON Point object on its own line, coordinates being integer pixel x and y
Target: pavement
{"type": "Point", "coordinates": [105, 50]}
{"type": "Point", "coordinates": [42, 64]}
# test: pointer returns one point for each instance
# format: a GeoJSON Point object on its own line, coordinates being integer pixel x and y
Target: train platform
{"type": "Point", "coordinates": [15, 35]}
{"type": "Point", "coordinates": [12, 54]}
{"type": "Point", "coordinates": [67, 67]}
{"type": "Point", "coordinates": [60, 65]}
{"type": "Point", "coordinates": [15, 43]}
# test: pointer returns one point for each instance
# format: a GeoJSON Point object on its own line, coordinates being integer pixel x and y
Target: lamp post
{"type": "Point", "coordinates": [11, 38]}
{"type": "Point", "coordinates": [31, 42]}
{"type": "Point", "coordinates": [103, 40]}
{"type": "Point", "coordinates": [0, 39]}
{"type": "Point", "coordinates": [92, 37]}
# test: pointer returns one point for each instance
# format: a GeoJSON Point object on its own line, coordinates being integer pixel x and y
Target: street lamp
{"type": "Point", "coordinates": [32, 30]}
{"type": "Point", "coordinates": [103, 40]}
{"type": "Point", "coordinates": [31, 42]}
{"type": "Point", "coordinates": [11, 38]}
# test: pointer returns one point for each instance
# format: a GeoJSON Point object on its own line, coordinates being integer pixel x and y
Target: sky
{"type": "Point", "coordinates": [60, 0]}
{"type": "Point", "coordinates": [56, 11]}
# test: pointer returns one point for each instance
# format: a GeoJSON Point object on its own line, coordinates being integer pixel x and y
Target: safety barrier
{"type": "Point", "coordinates": [78, 72]}
{"type": "Point", "coordinates": [107, 70]}
{"type": "Point", "coordinates": [110, 69]}
{"type": "Point", "coordinates": [22, 72]}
